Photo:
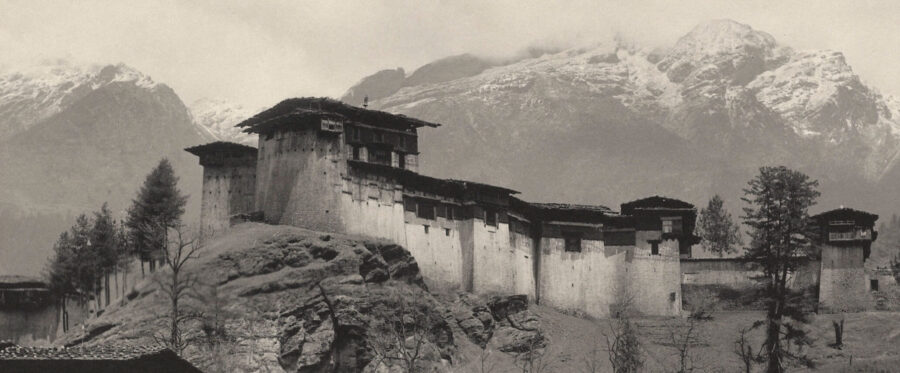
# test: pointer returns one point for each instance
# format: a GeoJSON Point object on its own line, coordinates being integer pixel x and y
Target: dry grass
{"type": "Point", "coordinates": [871, 338]}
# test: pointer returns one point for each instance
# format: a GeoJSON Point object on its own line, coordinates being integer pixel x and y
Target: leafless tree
{"type": "Point", "coordinates": [622, 343]}
{"type": "Point", "coordinates": [683, 338]}
{"type": "Point", "coordinates": [537, 356]}
{"type": "Point", "coordinates": [402, 335]}
{"type": "Point", "coordinates": [219, 342]}
{"type": "Point", "coordinates": [744, 350]}
{"type": "Point", "coordinates": [177, 284]}
{"type": "Point", "coordinates": [486, 364]}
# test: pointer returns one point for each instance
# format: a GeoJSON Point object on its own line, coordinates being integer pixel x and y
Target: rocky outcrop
{"type": "Point", "coordinates": [302, 301]}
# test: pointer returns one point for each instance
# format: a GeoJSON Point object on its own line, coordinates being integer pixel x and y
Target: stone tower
{"type": "Point", "coordinates": [229, 184]}
{"type": "Point", "coordinates": [845, 239]}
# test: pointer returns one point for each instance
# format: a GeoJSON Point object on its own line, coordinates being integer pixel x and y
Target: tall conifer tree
{"type": "Point", "coordinates": [781, 232]}
{"type": "Point", "coordinates": [158, 207]}
{"type": "Point", "coordinates": [718, 231]}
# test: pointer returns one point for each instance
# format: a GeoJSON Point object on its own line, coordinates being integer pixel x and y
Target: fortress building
{"type": "Point", "coordinates": [328, 166]}
{"type": "Point", "coordinates": [325, 165]}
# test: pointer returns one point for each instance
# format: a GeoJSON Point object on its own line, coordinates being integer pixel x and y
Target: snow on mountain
{"type": "Point", "coordinates": [35, 93]}
{"type": "Point", "coordinates": [75, 137]}
{"type": "Point", "coordinates": [219, 117]}
{"type": "Point", "coordinates": [811, 82]}
{"type": "Point", "coordinates": [701, 116]}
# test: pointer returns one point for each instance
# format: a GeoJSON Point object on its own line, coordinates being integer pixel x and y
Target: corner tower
{"type": "Point", "coordinates": [229, 183]}
{"type": "Point", "coordinates": [845, 240]}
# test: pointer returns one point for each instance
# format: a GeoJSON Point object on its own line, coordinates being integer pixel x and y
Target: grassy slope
{"type": "Point", "coordinates": [872, 339]}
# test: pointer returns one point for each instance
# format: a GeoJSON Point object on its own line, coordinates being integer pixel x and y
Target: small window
{"type": "Point", "coordinates": [490, 218]}
{"type": "Point", "coordinates": [654, 248]}
{"type": "Point", "coordinates": [450, 212]}
{"type": "Point", "coordinates": [873, 285]}
{"type": "Point", "coordinates": [446, 231]}
{"type": "Point", "coordinates": [667, 226]}
{"type": "Point", "coordinates": [425, 210]}
{"type": "Point", "coordinates": [356, 153]}
{"type": "Point", "coordinates": [409, 204]}
{"type": "Point", "coordinates": [573, 241]}
{"type": "Point", "coordinates": [426, 228]}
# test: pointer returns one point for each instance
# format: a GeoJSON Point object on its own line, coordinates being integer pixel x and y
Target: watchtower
{"type": "Point", "coordinates": [229, 183]}
{"type": "Point", "coordinates": [845, 239]}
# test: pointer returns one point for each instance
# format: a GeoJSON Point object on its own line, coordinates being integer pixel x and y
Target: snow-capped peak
{"type": "Point", "coordinates": [219, 117]}
{"type": "Point", "coordinates": [122, 73]}
{"type": "Point", "coordinates": [724, 36]}
{"type": "Point", "coordinates": [31, 94]}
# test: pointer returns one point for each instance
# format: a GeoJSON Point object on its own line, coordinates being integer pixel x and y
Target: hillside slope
{"type": "Point", "coordinates": [302, 301]}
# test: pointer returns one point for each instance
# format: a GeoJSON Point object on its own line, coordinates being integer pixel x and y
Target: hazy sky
{"type": "Point", "coordinates": [258, 52]}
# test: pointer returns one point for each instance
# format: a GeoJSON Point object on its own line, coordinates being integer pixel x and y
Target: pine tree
{"type": "Point", "coordinates": [781, 231]}
{"type": "Point", "coordinates": [104, 238]}
{"type": "Point", "coordinates": [76, 265]}
{"type": "Point", "coordinates": [717, 230]}
{"type": "Point", "coordinates": [158, 207]}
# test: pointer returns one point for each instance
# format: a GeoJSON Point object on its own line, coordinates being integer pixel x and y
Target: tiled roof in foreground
{"type": "Point", "coordinates": [105, 352]}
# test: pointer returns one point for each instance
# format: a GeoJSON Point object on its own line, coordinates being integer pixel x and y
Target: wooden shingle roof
{"type": "Point", "coordinates": [295, 110]}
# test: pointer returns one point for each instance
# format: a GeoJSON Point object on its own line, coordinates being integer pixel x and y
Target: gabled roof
{"type": "Point", "coordinates": [220, 146]}
{"type": "Point", "coordinates": [655, 202]}
{"type": "Point", "coordinates": [295, 109]}
{"type": "Point", "coordinates": [845, 213]}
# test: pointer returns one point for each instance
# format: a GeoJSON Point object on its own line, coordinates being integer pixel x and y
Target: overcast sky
{"type": "Point", "coordinates": [258, 52]}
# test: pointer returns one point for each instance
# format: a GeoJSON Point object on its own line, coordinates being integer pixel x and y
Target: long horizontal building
{"type": "Point", "coordinates": [325, 165]}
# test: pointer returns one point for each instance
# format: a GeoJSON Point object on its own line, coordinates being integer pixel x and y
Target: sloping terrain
{"type": "Point", "coordinates": [302, 301]}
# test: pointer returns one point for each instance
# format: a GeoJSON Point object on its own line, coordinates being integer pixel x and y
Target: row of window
{"type": "Point", "coordinates": [572, 242]}
{"type": "Point", "coordinates": [380, 156]}
{"type": "Point", "coordinates": [356, 134]}
{"type": "Point", "coordinates": [427, 209]}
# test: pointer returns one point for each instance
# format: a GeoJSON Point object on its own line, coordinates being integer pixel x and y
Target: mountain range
{"type": "Point", "coordinates": [601, 124]}
{"type": "Point", "coordinates": [615, 121]}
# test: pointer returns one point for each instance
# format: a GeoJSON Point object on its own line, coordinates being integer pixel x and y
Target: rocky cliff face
{"type": "Point", "coordinates": [288, 299]}
{"type": "Point", "coordinates": [614, 122]}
